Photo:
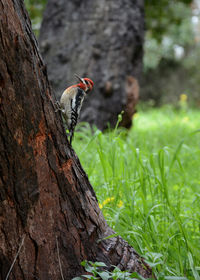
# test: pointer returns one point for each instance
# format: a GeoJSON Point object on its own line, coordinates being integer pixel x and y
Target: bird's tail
{"type": "Point", "coordinates": [71, 136]}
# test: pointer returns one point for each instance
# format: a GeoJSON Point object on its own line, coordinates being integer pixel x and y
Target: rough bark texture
{"type": "Point", "coordinates": [44, 192]}
{"type": "Point", "coordinates": [101, 39]}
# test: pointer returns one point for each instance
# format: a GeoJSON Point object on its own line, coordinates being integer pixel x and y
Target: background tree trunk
{"type": "Point", "coordinates": [102, 40]}
{"type": "Point", "coordinates": [44, 193]}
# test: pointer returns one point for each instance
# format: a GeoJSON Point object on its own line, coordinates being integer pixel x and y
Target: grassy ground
{"type": "Point", "coordinates": [148, 185]}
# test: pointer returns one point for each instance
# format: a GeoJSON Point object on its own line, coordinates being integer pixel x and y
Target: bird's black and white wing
{"type": "Point", "coordinates": [76, 104]}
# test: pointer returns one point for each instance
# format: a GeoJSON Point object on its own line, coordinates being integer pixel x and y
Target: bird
{"type": "Point", "coordinates": [71, 102]}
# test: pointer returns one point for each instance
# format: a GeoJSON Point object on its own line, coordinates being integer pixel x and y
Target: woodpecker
{"type": "Point", "coordinates": [71, 102]}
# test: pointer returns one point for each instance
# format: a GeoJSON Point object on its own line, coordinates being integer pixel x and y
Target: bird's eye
{"type": "Point", "coordinates": [86, 82]}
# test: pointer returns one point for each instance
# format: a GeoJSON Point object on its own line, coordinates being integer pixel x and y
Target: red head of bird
{"type": "Point", "coordinates": [85, 83]}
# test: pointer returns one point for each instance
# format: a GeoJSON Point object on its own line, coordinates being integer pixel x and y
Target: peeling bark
{"type": "Point", "coordinates": [44, 192]}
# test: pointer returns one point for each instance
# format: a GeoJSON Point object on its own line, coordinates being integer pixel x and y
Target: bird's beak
{"type": "Point", "coordinates": [82, 80]}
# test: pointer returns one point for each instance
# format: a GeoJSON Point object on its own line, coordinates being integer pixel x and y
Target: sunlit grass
{"type": "Point", "coordinates": [148, 185]}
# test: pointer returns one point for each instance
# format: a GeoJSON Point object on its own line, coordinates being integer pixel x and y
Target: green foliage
{"type": "Point", "coordinates": [147, 182]}
{"type": "Point", "coordinates": [162, 15]}
{"type": "Point", "coordinates": [35, 9]}
{"type": "Point", "coordinates": [169, 27]}
{"type": "Point", "coordinates": [96, 272]}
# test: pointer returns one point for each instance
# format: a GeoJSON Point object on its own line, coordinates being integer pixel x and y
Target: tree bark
{"type": "Point", "coordinates": [102, 40]}
{"type": "Point", "coordinates": [44, 193]}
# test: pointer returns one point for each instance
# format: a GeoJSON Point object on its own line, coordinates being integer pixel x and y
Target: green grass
{"type": "Point", "coordinates": [148, 185]}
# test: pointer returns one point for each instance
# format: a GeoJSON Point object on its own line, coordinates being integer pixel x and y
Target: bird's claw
{"type": "Point", "coordinates": [57, 106]}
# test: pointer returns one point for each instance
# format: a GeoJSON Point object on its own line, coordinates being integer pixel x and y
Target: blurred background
{"type": "Point", "coordinates": [171, 47]}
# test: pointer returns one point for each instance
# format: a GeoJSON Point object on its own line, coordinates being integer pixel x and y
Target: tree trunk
{"type": "Point", "coordinates": [102, 40]}
{"type": "Point", "coordinates": [44, 193]}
